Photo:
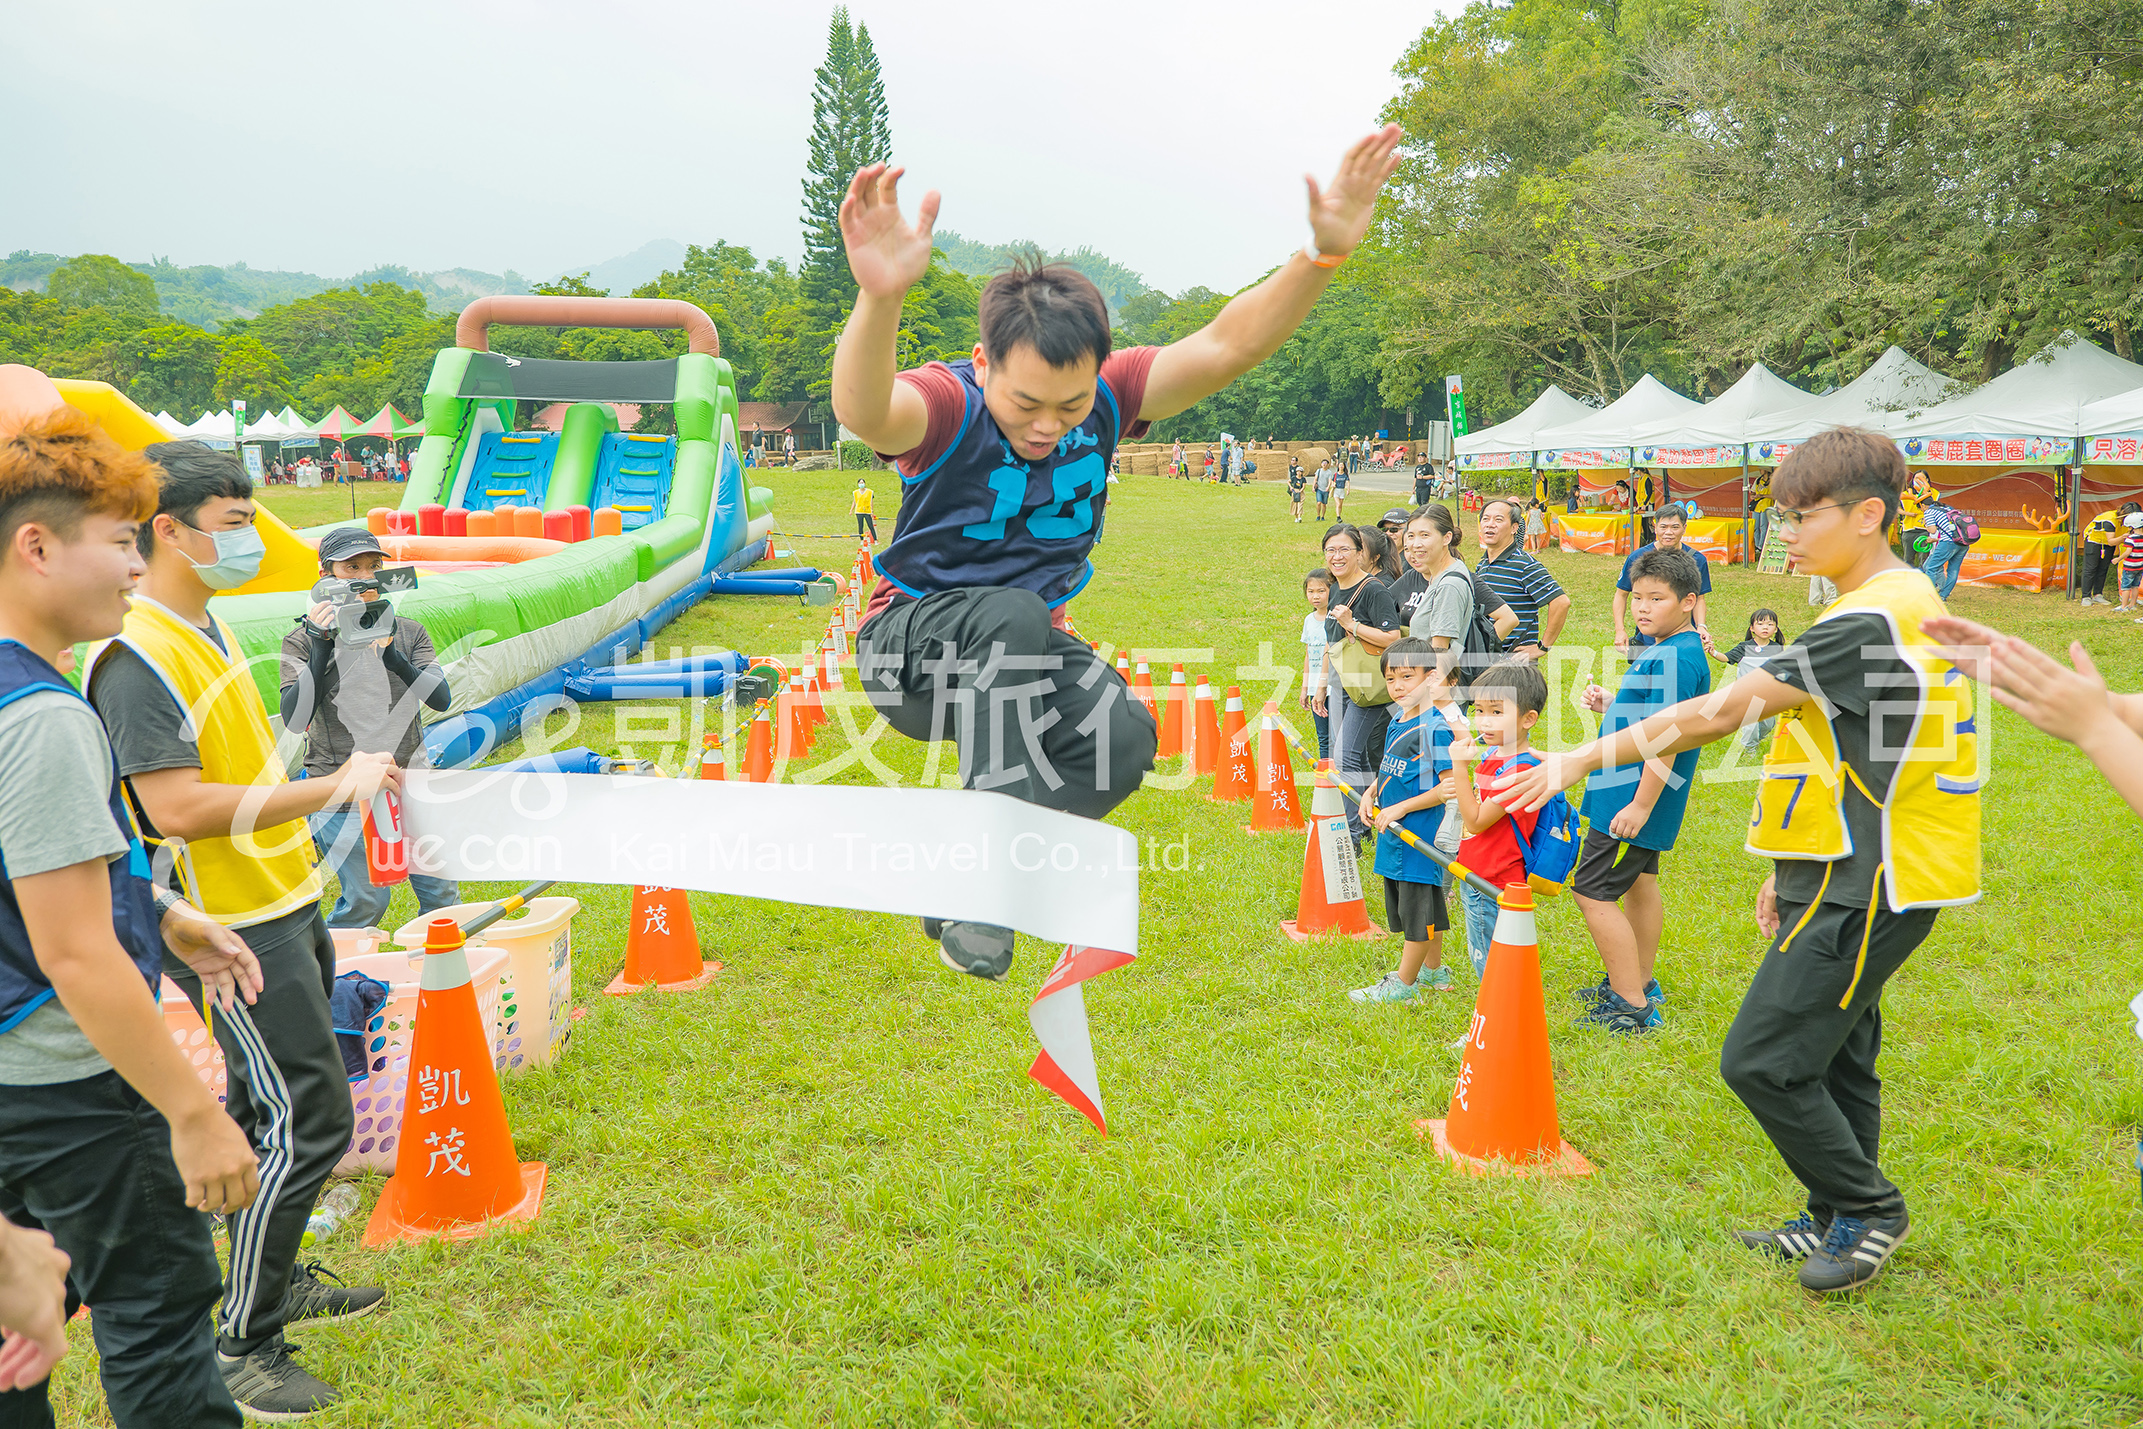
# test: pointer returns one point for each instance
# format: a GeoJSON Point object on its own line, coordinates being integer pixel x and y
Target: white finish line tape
{"type": "Point", "coordinates": [940, 853]}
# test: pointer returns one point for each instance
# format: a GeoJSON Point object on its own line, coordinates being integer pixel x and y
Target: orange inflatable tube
{"type": "Point", "coordinates": [508, 549]}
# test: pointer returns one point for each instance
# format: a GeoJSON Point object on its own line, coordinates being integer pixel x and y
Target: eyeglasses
{"type": "Point", "coordinates": [1788, 519]}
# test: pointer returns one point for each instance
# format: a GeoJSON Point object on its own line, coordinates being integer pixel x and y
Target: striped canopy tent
{"type": "Point", "coordinates": [338, 425]}
{"type": "Point", "coordinates": [387, 422]}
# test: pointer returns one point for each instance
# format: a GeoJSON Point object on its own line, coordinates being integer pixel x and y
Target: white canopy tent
{"type": "Point", "coordinates": [1603, 438]}
{"type": "Point", "coordinates": [1509, 445]}
{"type": "Point", "coordinates": [1717, 433]}
{"type": "Point", "coordinates": [2112, 429]}
{"type": "Point", "coordinates": [1896, 383]}
{"type": "Point", "coordinates": [2030, 415]}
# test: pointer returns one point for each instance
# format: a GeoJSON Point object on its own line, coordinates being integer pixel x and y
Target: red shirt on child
{"type": "Point", "coordinates": [1495, 855]}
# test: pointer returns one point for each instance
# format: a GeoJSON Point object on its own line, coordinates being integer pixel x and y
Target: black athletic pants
{"type": "Point", "coordinates": [90, 1161]}
{"type": "Point", "coordinates": [865, 523]}
{"type": "Point", "coordinates": [1036, 714]}
{"type": "Point", "coordinates": [1805, 1066]}
{"type": "Point", "coordinates": [1361, 751]}
{"type": "Point", "coordinates": [288, 1090]}
{"type": "Point", "coordinates": [2098, 562]}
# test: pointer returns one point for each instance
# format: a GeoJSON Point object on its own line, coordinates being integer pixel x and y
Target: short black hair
{"type": "Point", "coordinates": [1518, 680]}
{"type": "Point", "coordinates": [193, 476]}
{"type": "Point", "coordinates": [1419, 654]}
{"type": "Point", "coordinates": [1051, 307]}
{"type": "Point", "coordinates": [1675, 569]}
{"type": "Point", "coordinates": [1319, 574]}
{"type": "Point", "coordinates": [1843, 464]}
{"type": "Point", "coordinates": [1507, 501]}
{"type": "Point", "coordinates": [1671, 512]}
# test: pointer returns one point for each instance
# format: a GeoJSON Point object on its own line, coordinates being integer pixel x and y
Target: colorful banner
{"type": "Point", "coordinates": [1600, 533]}
{"type": "Point", "coordinates": [1723, 539]}
{"type": "Point", "coordinates": [1576, 459]}
{"type": "Point", "coordinates": [2122, 449]}
{"type": "Point", "coordinates": [1770, 453]}
{"type": "Point", "coordinates": [1494, 461]}
{"type": "Point", "coordinates": [2003, 501]}
{"type": "Point", "coordinates": [1690, 456]}
{"type": "Point", "coordinates": [1988, 451]}
{"type": "Point", "coordinates": [2018, 560]}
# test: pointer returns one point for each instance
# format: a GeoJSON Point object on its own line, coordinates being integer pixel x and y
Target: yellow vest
{"type": "Point", "coordinates": [2104, 530]}
{"type": "Point", "coordinates": [1930, 815]}
{"type": "Point", "coordinates": [860, 503]}
{"type": "Point", "coordinates": [248, 878]}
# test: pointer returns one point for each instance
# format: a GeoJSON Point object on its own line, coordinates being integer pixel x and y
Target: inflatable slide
{"type": "Point", "coordinates": [540, 555]}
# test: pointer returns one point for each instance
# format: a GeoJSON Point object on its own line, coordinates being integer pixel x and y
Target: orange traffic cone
{"type": "Point", "coordinates": [1233, 772]}
{"type": "Point", "coordinates": [454, 1173]}
{"type": "Point", "coordinates": [661, 946]}
{"type": "Point", "coordinates": [710, 758]}
{"type": "Point", "coordinates": [832, 660]}
{"type": "Point", "coordinates": [1502, 1118]}
{"type": "Point", "coordinates": [1273, 803]}
{"type": "Point", "coordinates": [865, 571]}
{"type": "Point", "coordinates": [1331, 872]}
{"type": "Point", "coordinates": [1142, 686]}
{"type": "Point", "coordinates": [1202, 733]}
{"type": "Point", "coordinates": [792, 737]}
{"type": "Point", "coordinates": [1172, 702]}
{"type": "Point", "coordinates": [759, 748]}
{"type": "Point", "coordinates": [814, 704]}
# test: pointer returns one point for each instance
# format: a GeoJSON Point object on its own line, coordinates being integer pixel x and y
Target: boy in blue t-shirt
{"type": "Point", "coordinates": [1633, 811]}
{"type": "Point", "coordinates": [1413, 784]}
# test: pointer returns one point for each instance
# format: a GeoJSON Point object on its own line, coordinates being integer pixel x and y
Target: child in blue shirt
{"type": "Point", "coordinates": [1413, 784]}
{"type": "Point", "coordinates": [1633, 811]}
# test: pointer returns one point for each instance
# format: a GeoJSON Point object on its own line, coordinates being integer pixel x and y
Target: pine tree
{"type": "Point", "coordinates": [850, 129]}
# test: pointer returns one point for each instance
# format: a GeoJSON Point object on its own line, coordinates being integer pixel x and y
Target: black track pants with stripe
{"type": "Point", "coordinates": [288, 1090]}
{"type": "Point", "coordinates": [1801, 1053]}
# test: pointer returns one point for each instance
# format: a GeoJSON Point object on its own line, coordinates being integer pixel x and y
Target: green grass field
{"type": "Point", "coordinates": [822, 1191]}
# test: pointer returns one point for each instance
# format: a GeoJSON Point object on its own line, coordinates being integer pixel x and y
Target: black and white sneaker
{"type": "Point", "coordinates": [981, 950]}
{"type": "Point", "coordinates": [312, 1299]}
{"type": "Point", "coordinates": [270, 1386]}
{"type": "Point", "coordinates": [1853, 1253]}
{"type": "Point", "coordinates": [1797, 1239]}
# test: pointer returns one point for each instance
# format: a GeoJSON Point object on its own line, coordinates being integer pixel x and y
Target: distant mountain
{"type": "Point", "coordinates": [1118, 284]}
{"type": "Point", "coordinates": [644, 264]}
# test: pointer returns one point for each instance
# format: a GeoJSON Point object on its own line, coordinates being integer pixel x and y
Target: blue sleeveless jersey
{"type": "Point", "coordinates": [23, 988]}
{"type": "Point", "coordinates": [982, 516]}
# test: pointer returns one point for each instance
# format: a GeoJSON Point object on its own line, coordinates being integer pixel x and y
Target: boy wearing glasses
{"type": "Point", "coordinates": [1869, 806]}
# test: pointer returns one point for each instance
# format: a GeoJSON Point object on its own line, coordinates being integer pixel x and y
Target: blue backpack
{"type": "Point", "coordinates": [1551, 854]}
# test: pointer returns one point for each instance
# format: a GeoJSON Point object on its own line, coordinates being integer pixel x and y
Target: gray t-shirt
{"type": "Point", "coordinates": [148, 730]}
{"type": "Point", "coordinates": [366, 705]}
{"type": "Point", "coordinates": [55, 811]}
{"type": "Point", "coordinates": [1448, 608]}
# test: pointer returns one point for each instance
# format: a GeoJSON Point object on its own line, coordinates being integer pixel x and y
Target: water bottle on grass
{"type": "Point", "coordinates": [334, 1210]}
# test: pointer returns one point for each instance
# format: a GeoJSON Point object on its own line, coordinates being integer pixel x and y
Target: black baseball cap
{"type": "Point", "coordinates": [1397, 516]}
{"type": "Point", "coordinates": [347, 543]}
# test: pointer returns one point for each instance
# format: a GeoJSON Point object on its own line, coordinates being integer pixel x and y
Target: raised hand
{"type": "Point", "coordinates": [887, 254]}
{"type": "Point", "coordinates": [1339, 212]}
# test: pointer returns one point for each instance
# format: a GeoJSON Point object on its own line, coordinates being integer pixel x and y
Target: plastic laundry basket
{"type": "Point", "coordinates": [539, 938]}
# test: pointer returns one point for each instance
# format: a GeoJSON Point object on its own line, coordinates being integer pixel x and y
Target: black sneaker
{"type": "Point", "coordinates": [1615, 1015]}
{"type": "Point", "coordinates": [1590, 993]}
{"type": "Point", "coordinates": [981, 950]}
{"type": "Point", "coordinates": [1853, 1253]}
{"type": "Point", "coordinates": [1797, 1239]}
{"type": "Point", "coordinates": [270, 1386]}
{"type": "Point", "coordinates": [310, 1298]}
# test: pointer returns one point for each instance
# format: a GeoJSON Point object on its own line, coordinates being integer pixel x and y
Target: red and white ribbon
{"type": "Point", "coordinates": [1065, 1064]}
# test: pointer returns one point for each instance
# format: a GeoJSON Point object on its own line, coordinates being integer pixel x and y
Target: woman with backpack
{"type": "Point", "coordinates": [1954, 532]}
{"type": "Point", "coordinates": [1439, 599]}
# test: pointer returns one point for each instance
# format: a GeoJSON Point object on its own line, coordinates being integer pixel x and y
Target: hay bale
{"type": "Point", "coordinates": [1145, 464]}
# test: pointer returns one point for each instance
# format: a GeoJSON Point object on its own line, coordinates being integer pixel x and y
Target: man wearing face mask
{"type": "Point", "coordinates": [207, 783]}
{"type": "Point", "coordinates": [349, 697]}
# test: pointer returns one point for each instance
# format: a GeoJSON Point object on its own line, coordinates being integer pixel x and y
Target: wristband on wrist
{"type": "Point", "coordinates": [1321, 259]}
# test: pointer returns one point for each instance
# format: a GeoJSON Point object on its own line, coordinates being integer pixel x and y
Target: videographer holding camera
{"type": "Point", "coordinates": [354, 673]}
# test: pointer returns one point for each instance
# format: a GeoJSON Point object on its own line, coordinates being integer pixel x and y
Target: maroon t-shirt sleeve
{"type": "Point", "coordinates": [945, 404]}
{"type": "Point", "coordinates": [1126, 372]}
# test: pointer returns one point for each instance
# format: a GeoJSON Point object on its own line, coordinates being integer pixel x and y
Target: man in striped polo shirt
{"type": "Point", "coordinates": [1523, 582]}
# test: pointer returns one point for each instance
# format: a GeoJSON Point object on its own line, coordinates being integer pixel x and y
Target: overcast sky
{"type": "Point", "coordinates": [542, 136]}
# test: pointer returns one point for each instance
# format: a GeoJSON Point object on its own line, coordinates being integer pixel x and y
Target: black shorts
{"type": "Point", "coordinates": [1412, 909]}
{"type": "Point", "coordinates": [1608, 867]}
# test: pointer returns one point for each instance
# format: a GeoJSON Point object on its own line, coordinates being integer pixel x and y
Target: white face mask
{"type": "Point", "coordinates": [238, 556]}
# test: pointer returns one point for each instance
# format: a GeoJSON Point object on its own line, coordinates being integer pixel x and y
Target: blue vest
{"type": "Point", "coordinates": [23, 988]}
{"type": "Point", "coordinates": [982, 516]}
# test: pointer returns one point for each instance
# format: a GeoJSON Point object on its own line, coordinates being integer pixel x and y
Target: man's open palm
{"type": "Point", "coordinates": [1340, 212]}
{"type": "Point", "coordinates": [887, 254]}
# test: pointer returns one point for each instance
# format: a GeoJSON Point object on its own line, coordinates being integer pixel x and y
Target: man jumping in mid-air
{"type": "Point", "coordinates": [1004, 459]}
